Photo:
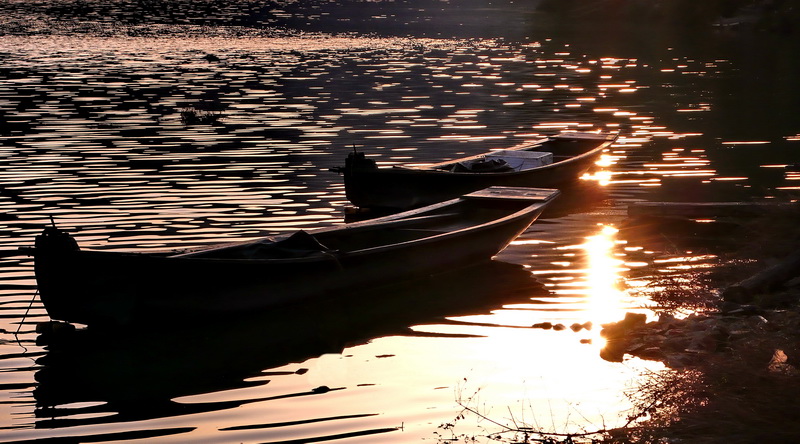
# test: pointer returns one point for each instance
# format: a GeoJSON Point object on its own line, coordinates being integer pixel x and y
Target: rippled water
{"type": "Point", "coordinates": [92, 136]}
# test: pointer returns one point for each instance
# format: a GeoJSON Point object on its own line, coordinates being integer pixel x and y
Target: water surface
{"type": "Point", "coordinates": [93, 137]}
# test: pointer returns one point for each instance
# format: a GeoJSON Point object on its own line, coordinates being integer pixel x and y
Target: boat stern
{"type": "Point", "coordinates": [54, 254]}
{"type": "Point", "coordinates": [355, 161]}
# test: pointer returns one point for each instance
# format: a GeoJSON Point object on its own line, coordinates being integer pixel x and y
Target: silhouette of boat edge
{"type": "Point", "coordinates": [549, 162]}
{"type": "Point", "coordinates": [118, 288]}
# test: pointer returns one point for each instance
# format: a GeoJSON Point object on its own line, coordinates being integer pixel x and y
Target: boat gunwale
{"type": "Point", "coordinates": [373, 224]}
{"type": "Point", "coordinates": [437, 168]}
{"type": "Point", "coordinates": [493, 222]}
{"type": "Point", "coordinates": [333, 255]}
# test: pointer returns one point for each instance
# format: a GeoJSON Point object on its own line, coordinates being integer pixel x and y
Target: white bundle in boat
{"type": "Point", "coordinates": [522, 160]}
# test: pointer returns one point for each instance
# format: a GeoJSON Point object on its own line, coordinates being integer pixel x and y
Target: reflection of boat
{"type": "Point", "coordinates": [549, 162]}
{"type": "Point", "coordinates": [93, 376]}
{"type": "Point", "coordinates": [100, 287]}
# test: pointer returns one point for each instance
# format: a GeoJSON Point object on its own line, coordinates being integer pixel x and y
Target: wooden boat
{"type": "Point", "coordinates": [102, 287]}
{"type": "Point", "coordinates": [548, 162]}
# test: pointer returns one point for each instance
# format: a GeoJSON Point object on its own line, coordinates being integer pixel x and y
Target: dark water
{"type": "Point", "coordinates": [90, 116]}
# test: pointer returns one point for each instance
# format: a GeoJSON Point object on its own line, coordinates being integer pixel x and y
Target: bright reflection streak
{"type": "Point", "coordinates": [606, 160]}
{"type": "Point", "coordinates": [601, 177]}
{"type": "Point", "coordinates": [604, 302]}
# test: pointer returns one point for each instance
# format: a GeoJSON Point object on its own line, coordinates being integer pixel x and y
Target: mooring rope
{"type": "Point", "coordinates": [27, 310]}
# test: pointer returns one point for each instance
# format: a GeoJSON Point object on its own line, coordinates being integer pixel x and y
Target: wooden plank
{"type": "Point", "coordinates": [705, 210]}
{"type": "Point", "coordinates": [514, 193]}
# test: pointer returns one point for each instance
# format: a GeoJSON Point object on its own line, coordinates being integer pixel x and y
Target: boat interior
{"type": "Point", "coordinates": [361, 236]}
{"type": "Point", "coordinates": [519, 159]}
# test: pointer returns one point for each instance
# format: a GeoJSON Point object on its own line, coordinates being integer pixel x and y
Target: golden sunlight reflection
{"type": "Point", "coordinates": [603, 292]}
{"type": "Point", "coordinates": [584, 282]}
{"type": "Point", "coordinates": [585, 292]}
{"type": "Point", "coordinates": [602, 176]}
{"type": "Point", "coordinates": [605, 161]}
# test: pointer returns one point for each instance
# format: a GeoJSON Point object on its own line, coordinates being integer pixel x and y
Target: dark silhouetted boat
{"type": "Point", "coordinates": [549, 162]}
{"type": "Point", "coordinates": [116, 288]}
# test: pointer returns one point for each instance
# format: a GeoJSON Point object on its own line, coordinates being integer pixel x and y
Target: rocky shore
{"type": "Point", "coordinates": [763, 305]}
{"type": "Point", "coordinates": [735, 365]}
{"type": "Point", "coordinates": [686, 343]}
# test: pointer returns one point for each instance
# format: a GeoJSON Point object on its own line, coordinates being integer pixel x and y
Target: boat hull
{"type": "Point", "coordinates": [111, 288]}
{"type": "Point", "coordinates": [401, 188]}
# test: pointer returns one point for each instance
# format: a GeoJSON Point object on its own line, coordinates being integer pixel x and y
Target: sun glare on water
{"type": "Point", "coordinates": [604, 297]}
